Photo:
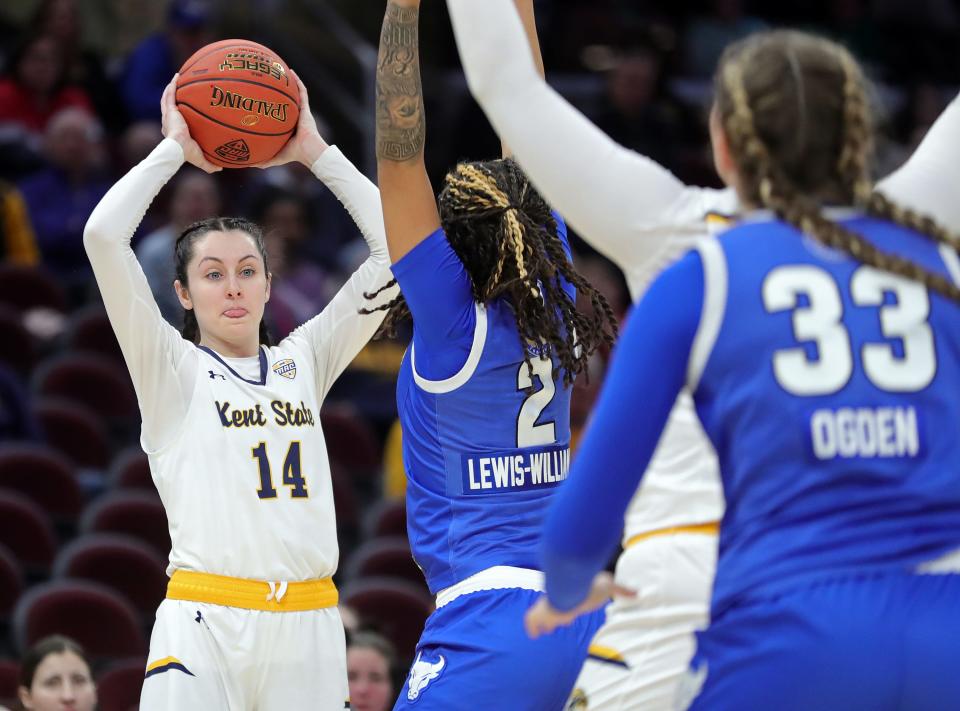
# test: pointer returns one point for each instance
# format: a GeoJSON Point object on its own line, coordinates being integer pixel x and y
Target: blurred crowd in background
{"type": "Point", "coordinates": [80, 84]}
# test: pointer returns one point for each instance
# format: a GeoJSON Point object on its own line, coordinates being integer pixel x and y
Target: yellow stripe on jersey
{"type": "Point", "coordinates": [712, 529]}
{"type": "Point", "coordinates": [716, 218]}
{"type": "Point", "coordinates": [162, 663]}
{"type": "Point", "coordinates": [251, 594]}
{"type": "Point", "coordinates": [606, 654]}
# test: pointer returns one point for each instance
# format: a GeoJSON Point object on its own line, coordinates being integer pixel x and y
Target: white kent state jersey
{"type": "Point", "coordinates": [682, 483]}
{"type": "Point", "coordinates": [642, 218]}
{"type": "Point", "coordinates": [235, 447]}
{"type": "Point", "coordinates": [246, 484]}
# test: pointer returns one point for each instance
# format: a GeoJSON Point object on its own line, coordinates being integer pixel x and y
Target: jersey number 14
{"type": "Point", "coordinates": [292, 473]}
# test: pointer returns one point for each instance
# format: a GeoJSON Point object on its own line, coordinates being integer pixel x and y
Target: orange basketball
{"type": "Point", "coordinates": [239, 101]}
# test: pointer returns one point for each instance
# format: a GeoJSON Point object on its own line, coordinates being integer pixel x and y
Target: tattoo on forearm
{"type": "Point", "coordinates": [400, 118]}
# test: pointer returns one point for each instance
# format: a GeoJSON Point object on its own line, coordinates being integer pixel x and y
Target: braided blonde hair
{"type": "Point", "coordinates": [763, 102]}
{"type": "Point", "coordinates": [506, 237]}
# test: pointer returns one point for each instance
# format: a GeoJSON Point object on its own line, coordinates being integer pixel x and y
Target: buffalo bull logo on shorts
{"type": "Point", "coordinates": [236, 151]}
{"type": "Point", "coordinates": [286, 368]}
{"type": "Point", "coordinates": [421, 674]}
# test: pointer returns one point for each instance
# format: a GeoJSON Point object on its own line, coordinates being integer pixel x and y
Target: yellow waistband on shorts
{"type": "Point", "coordinates": [712, 528]}
{"type": "Point", "coordinates": [252, 594]}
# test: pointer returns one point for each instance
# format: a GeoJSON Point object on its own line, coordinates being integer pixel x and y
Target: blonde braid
{"type": "Point", "coordinates": [754, 158]}
{"type": "Point", "coordinates": [879, 205]}
{"type": "Point", "coordinates": [488, 195]}
{"type": "Point", "coordinates": [776, 192]}
{"type": "Point", "coordinates": [852, 165]}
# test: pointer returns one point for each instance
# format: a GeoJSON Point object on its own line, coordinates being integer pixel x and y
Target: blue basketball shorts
{"type": "Point", "coordinates": [474, 654]}
{"type": "Point", "coordinates": [880, 642]}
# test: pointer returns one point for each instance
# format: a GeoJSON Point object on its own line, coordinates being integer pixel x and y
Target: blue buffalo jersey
{"type": "Point", "coordinates": [484, 444]}
{"type": "Point", "coordinates": [830, 391]}
{"type": "Point", "coordinates": [828, 388]}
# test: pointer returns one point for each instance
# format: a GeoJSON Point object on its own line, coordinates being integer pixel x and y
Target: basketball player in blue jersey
{"type": "Point", "coordinates": [232, 430]}
{"type": "Point", "coordinates": [644, 219]}
{"type": "Point", "coordinates": [483, 396]}
{"type": "Point", "coordinates": [820, 339]}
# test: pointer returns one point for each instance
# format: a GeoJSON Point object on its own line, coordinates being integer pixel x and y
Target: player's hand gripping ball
{"type": "Point", "coordinates": [240, 102]}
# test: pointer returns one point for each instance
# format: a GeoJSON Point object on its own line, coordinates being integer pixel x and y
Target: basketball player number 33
{"type": "Point", "coordinates": [292, 473]}
{"type": "Point", "coordinates": [820, 321]}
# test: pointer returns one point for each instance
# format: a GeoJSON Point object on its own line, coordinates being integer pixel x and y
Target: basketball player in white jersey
{"type": "Point", "coordinates": [231, 425]}
{"type": "Point", "coordinates": [643, 218]}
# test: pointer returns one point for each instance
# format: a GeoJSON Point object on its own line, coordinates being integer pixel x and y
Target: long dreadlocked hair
{"type": "Point", "coordinates": [505, 235]}
{"type": "Point", "coordinates": [795, 112]}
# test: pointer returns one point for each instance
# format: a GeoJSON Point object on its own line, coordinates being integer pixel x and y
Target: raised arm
{"type": "Point", "coordinates": [611, 196]}
{"type": "Point", "coordinates": [409, 206]}
{"type": "Point", "coordinates": [928, 181]}
{"type": "Point", "coordinates": [579, 537]}
{"type": "Point", "coordinates": [529, 22]}
{"type": "Point", "coordinates": [156, 355]}
{"type": "Point", "coordinates": [340, 331]}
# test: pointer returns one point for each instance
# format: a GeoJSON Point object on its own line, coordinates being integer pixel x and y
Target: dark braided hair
{"type": "Point", "coordinates": [505, 235]}
{"type": "Point", "coordinates": [183, 251]}
{"type": "Point", "coordinates": [795, 112]}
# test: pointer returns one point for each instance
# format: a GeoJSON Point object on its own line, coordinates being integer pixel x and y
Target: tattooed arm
{"type": "Point", "coordinates": [409, 206]}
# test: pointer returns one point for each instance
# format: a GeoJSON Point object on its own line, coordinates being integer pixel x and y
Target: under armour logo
{"type": "Point", "coordinates": [421, 674]}
{"type": "Point", "coordinates": [214, 376]}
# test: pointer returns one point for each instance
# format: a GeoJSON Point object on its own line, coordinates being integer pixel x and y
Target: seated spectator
{"type": "Point", "coordinates": [195, 197]}
{"type": "Point", "coordinates": [61, 197]}
{"type": "Point", "coordinates": [55, 675]}
{"type": "Point", "coordinates": [303, 288]}
{"type": "Point", "coordinates": [137, 141]}
{"type": "Point", "coordinates": [370, 663]}
{"type": "Point", "coordinates": [60, 19]}
{"type": "Point", "coordinates": [33, 89]}
{"type": "Point", "coordinates": [708, 35]}
{"type": "Point", "coordinates": [156, 59]}
{"type": "Point", "coordinates": [638, 113]}
{"type": "Point", "coordinates": [18, 245]}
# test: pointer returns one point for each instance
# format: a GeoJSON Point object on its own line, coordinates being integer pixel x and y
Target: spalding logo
{"type": "Point", "coordinates": [236, 151]}
{"type": "Point", "coordinates": [421, 674]}
{"type": "Point", "coordinates": [250, 120]}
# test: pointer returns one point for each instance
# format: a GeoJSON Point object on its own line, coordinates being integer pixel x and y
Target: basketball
{"type": "Point", "coordinates": [239, 101]}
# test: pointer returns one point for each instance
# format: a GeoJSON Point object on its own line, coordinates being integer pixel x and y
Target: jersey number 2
{"type": "Point", "coordinates": [820, 321]}
{"type": "Point", "coordinates": [530, 434]}
{"type": "Point", "coordinates": [292, 474]}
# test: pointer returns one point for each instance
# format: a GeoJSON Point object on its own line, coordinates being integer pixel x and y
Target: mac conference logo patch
{"type": "Point", "coordinates": [286, 368]}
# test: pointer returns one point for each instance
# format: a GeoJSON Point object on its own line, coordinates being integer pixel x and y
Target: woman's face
{"type": "Point", "coordinates": [39, 67]}
{"type": "Point", "coordinates": [62, 682]}
{"type": "Point", "coordinates": [369, 677]}
{"type": "Point", "coordinates": [227, 288]}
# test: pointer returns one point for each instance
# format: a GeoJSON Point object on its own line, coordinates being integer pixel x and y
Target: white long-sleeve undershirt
{"type": "Point", "coordinates": [624, 204]}
{"type": "Point", "coordinates": [162, 365]}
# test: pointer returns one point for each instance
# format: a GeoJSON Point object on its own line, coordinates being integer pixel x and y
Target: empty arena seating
{"type": "Point", "coordinates": [100, 619]}
{"type": "Point", "coordinates": [134, 513]}
{"type": "Point", "coordinates": [25, 530]}
{"type": "Point", "coordinates": [124, 564]}
{"type": "Point", "coordinates": [43, 476]}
